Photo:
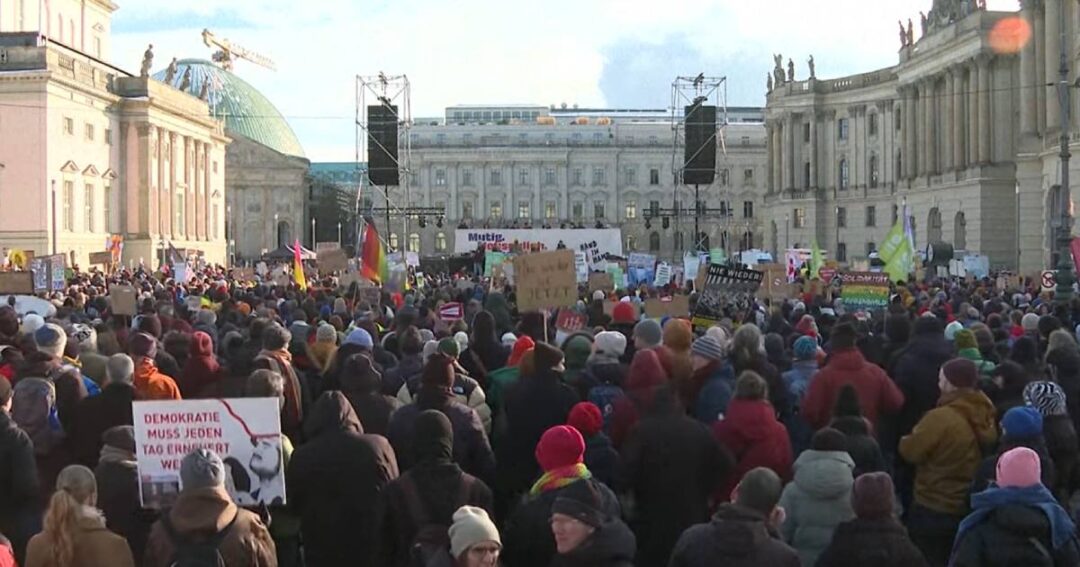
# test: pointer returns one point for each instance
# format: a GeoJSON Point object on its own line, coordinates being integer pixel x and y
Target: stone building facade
{"type": "Point", "coordinates": [959, 129]}
{"type": "Point", "coordinates": [574, 167]}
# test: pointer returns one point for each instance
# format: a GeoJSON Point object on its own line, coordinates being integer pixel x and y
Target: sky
{"type": "Point", "coordinates": [595, 53]}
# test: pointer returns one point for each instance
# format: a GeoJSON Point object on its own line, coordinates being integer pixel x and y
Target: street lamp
{"type": "Point", "coordinates": [277, 232]}
{"type": "Point", "coordinates": [1065, 277]}
{"type": "Point", "coordinates": [339, 233]}
{"type": "Point", "coordinates": [313, 232]}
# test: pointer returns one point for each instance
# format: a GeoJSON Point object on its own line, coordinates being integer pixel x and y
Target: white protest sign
{"type": "Point", "coordinates": [581, 267]}
{"type": "Point", "coordinates": [244, 432]}
{"type": "Point", "coordinates": [663, 274]}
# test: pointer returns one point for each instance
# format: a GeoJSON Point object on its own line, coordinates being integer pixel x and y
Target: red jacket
{"type": "Point", "coordinates": [878, 394]}
{"type": "Point", "coordinates": [751, 432]}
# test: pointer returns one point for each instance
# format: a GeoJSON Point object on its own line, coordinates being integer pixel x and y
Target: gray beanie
{"type": "Point", "coordinates": [649, 330]}
{"type": "Point", "coordinates": [201, 468]}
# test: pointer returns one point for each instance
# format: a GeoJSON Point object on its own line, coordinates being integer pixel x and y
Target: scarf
{"type": "Point", "coordinates": [560, 477]}
{"type": "Point", "coordinates": [1061, 526]}
{"type": "Point", "coordinates": [280, 361]}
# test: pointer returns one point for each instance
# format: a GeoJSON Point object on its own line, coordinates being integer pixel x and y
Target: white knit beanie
{"type": "Point", "coordinates": [471, 526]}
{"type": "Point", "coordinates": [612, 343]}
{"type": "Point", "coordinates": [462, 340]}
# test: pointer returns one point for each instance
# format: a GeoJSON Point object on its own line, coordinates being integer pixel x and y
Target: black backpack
{"type": "Point", "coordinates": [430, 546]}
{"type": "Point", "coordinates": [187, 553]}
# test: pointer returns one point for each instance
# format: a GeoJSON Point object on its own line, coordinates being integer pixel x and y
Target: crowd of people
{"type": "Point", "coordinates": [938, 431]}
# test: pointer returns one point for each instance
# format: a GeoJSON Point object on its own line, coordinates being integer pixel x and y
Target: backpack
{"type": "Point", "coordinates": [605, 396]}
{"type": "Point", "coordinates": [188, 553]}
{"type": "Point", "coordinates": [430, 546]}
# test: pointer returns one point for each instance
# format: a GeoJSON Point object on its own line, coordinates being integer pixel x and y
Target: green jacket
{"type": "Point", "coordinates": [986, 368]}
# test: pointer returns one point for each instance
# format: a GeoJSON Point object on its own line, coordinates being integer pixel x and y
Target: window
{"type": "Point", "coordinates": [842, 128]}
{"type": "Point", "coordinates": [440, 139]}
{"type": "Point", "coordinates": [549, 176]}
{"type": "Point", "coordinates": [69, 126]}
{"type": "Point", "coordinates": [873, 172]}
{"type": "Point", "coordinates": [523, 210]}
{"type": "Point", "coordinates": [895, 213]}
{"type": "Point", "coordinates": [441, 205]}
{"type": "Point", "coordinates": [654, 241]}
{"type": "Point", "coordinates": [496, 209]}
{"type": "Point", "coordinates": [89, 132]}
{"type": "Point", "coordinates": [631, 210]}
{"type": "Point", "coordinates": [440, 242]}
{"type": "Point", "coordinates": [181, 217]}
{"type": "Point", "coordinates": [870, 248]}
{"type": "Point", "coordinates": [679, 241]}
{"type": "Point", "coordinates": [653, 140]}
{"type": "Point", "coordinates": [67, 199]}
{"type": "Point", "coordinates": [597, 139]}
{"type": "Point", "coordinates": [806, 131]}
{"type": "Point", "coordinates": [523, 176]}
{"type": "Point", "coordinates": [466, 177]}
{"type": "Point", "coordinates": [579, 210]}
{"type": "Point", "coordinates": [744, 141]}
{"type": "Point", "coordinates": [871, 216]}
{"type": "Point", "coordinates": [440, 177]}
{"type": "Point", "coordinates": [106, 208]}
{"type": "Point", "coordinates": [806, 175]}
{"type": "Point", "coordinates": [841, 252]}
{"type": "Point", "coordinates": [466, 209]}
{"type": "Point", "coordinates": [654, 208]}
{"type": "Point", "coordinates": [496, 177]}
{"type": "Point", "coordinates": [598, 209]}
{"type": "Point", "coordinates": [631, 176]}
{"type": "Point", "coordinates": [414, 242]}
{"type": "Point", "coordinates": [631, 242]}
{"type": "Point", "coordinates": [217, 219]}
{"type": "Point", "coordinates": [88, 196]}
{"type": "Point", "coordinates": [897, 118]}
{"type": "Point", "coordinates": [798, 218]}
{"type": "Point", "coordinates": [899, 164]}
{"type": "Point", "coordinates": [725, 177]}
{"type": "Point", "coordinates": [748, 209]}
{"type": "Point", "coordinates": [393, 241]}
{"type": "Point", "coordinates": [871, 123]}
{"type": "Point", "coordinates": [841, 217]}
{"type": "Point", "coordinates": [523, 139]}
{"type": "Point", "coordinates": [654, 177]}
{"type": "Point", "coordinates": [748, 175]}
{"type": "Point", "coordinates": [843, 182]}
{"type": "Point", "coordinates": [549, 138]}
{"type": "Point", "coordinates": [579, 176]}
{"type": "Point", "coordinates": [467, 139]}
{"type": "Point", "coordinates": [550, 210]}
{"type": "Point", "coordinates": [575, 139]}
{"type": "Point", "coordinates": [107, 135]}
{"type": "Point", "coordinates": [598, 176]}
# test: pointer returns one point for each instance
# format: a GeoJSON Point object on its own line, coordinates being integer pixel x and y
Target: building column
{"type": "Point", "coordinates": [958, 113]}
{"type": "Point", "coordinates": [1038, 47]}
{"type": "Point", "coordinates": [932, 158]}
{"type": "Point", "coordinates": [813, 150]}
{"type": "Point", "coordinates": [910, 156]}
{"type": "Point", "coordinates": [1028, 80]}
{"type": "Point", "coordinates": [973, 113]}
{"type": "Point", "coordinates": [1052, 56]}
{"type": "Point", "coordinates": [920, 129]}
{"type": "Point", "coordinates": [789, 149]}
{"type": "Point", "coordinates": [985, 131]}
{"type": "Point", "coordinates": [949, 119]}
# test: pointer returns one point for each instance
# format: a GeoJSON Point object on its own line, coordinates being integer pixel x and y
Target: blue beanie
{"type": "Point", "coordinates": [1022, 422]}
{"type": "Point", "coordinates": [359, 337]}
{"type": "Point", "coordinates": [805, 348]}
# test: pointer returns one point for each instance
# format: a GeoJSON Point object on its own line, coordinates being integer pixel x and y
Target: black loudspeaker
{"type": "Point", "coordinates": [382, 144]}
{"type": "Point", "coordinates": [699, 159]}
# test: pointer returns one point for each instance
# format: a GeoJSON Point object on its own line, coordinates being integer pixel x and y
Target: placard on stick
{"type": "Point", "coordinates": [123, 300]}
{"type": "Point", "coordinates": [601, 281]}
{"type": "Point", "coordinates": [16, 283]}
{"type": "Point", "coordinates": [333, 260]}
{"type": "Point", "coordinates": [546, 279]}
{"type": "Point", "coordinates": [674, 306]}
{"type": "Point", "coordinates": [101, 258]}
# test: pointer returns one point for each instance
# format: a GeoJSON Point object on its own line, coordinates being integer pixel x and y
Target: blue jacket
{"type": "Point", "coordinates": [715, 395]}
{"type": "Point", "coordinates": [797, 381]}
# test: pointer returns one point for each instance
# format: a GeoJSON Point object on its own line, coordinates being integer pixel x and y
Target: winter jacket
{"type": "Point", "coordinates": [753, 436]}
{"type": "Point", "coordinates": [481, 362]}
{"type": "Point", "coordinates": [862, 446]}
{"type": "Point", "coordinates": [1010, 532]}
{"type": "Point", "coordinates": [94, 545]}
{"type": "Point", "coordinates": [472, 450]}
{"type": "Point", "coordinates": [20, 487]}
{"type": "Point", "coordinates": [532, 406]}
{"type": "Point", "coordinates": [201, 368]}
{"type": "Point", "coordinates": [986, 368]}
{"type": "Point", "coordinates": [717, 389]}
{"type": "Point", "coordinates": [526, 535]}
{"type": "Point", "coordinates": [499, 381]}
{"type": "Point", "coordinates": [797, 382]}
{"type": "Point", "coordinates": [152, 384]}
{"type": "Point", "coordinates": [1064, 363]}
{"type": "Point", "coordinates": [68, 380]}
{"type": "Point", "coordinates": [916, 373]}
{"type": "Point", "coordinates": [372, 407]}
{"type": "Point", "coordinates": [118, 498]}
{"type": "Point", "coordinates": [946, 448]}
{"type": "Point", "coordinates": [611, 545]}
{"type": "Point", "coordinates": [333, 483]}
{"type": "Point", "coordinates": [877, 543]}
{"type": "Point", "coordinates": [93, 416]}
{"type": "Point", "coordinates": [672, 465]}
{"type": "Point", "coordinates": [199, 514]}
{"type": "Point", "coordinates": [817, 501]}
{"type": "Point", "coordinates": [602, 459]}
{"type": "Point", "coordinates": [736, 537]}
{"type": "Point", "coordinates": [409, 369]}
{"type": "Point", "coordinates": [1064, 449]}
{"type": "Point", "coordinates": [878, 395]}
{"type": "Point", "coordinates": [466, 390]}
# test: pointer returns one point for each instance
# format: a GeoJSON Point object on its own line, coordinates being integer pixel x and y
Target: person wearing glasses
{"type": "Point", "coordinates": [474, 539]}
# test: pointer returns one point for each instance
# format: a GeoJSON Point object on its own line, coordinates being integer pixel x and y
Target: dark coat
{"type": "Point", "coordinates": [118, 499]}
{"type": "Point", "coordinates": [862, 446]}
{"type": "Point", "coordinates": [333, 483]}
{"type": "Point", "coordinates": [526, 536]}
{"type": "Point", "coordinates": [93, 416]}
{"type": "Point", "coordinates": [1013, 534]}
{"type": "Point", "coordinates": [671, 464]}
{"type": "Point", "coordinates": [611, 545]}
{"type": "Point", "coordinates": [602, 459]}
{"type": "Point", "coordinates": [472, 451]}
{"type": "Point", "coordinates": [70, 389]}
{"type": "Point", "coordinates": [533, 405]}
{"type": "Point", "coordinates": [916, 373]}
{"type": "Point", "coordinates": [19, 484]}
{"type": "Point", "coordinates": [1064, 363]}
{"type": "Point", "coordinates": [879, 542]}
{"type": "Point", "coordinates": [199, 513]}
{"type": "Point", "coordinates": [736, 537]}
{"type": "Point", "coordinates": [408, 369]}
{"type": "Point", "coordinates": [1062, 444]}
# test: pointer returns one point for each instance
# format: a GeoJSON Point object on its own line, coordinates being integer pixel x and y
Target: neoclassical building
{"type": "Point", "coordinates": [89, 150]}
{"type": "Point", "coordinates": [533, 166]}
{"type": "Point", "coordinates": [961, 129]}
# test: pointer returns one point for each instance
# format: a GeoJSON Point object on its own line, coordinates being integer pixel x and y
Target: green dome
{"type": "Point", "coordinates": [245, 110]}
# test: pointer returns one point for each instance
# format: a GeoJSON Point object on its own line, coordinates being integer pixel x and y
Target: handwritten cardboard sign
{"type": "Point", "coordinates": [16, 283]}
{"type": "Point", "coordinates": [674, 306]}
{"type": "Point", "coordinates": [601, 281]}
{"type": "Point", "coordinates": [333, 260]}
{"type": "Point", "coordinates": [124, 300]}
{"type": "Point", "coordinates": [101, 258]}
{"type": "Point", "coordinates": [545, 279]}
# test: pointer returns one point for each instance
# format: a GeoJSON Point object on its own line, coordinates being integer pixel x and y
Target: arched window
{"type": "Point", "coordinates": [414, 242]}
{"type": "Point", "coordinates": [933, 226]}
{"type": "Point", "coordinates": [960, 231]}
{"type": "Point", "coordinates": [747, 241]}
{"type": "Point", "coordinates": [440, 242]}
{"type": "Point", "coordinates": [842, 181]}
{"type": "Point", "coordinates": [284, 233]}
{"type": "Point", "coordinates": [393, 242]}
{"type": "Point", "coordinates": [631, 242]}
{"type": "Point", "coordinates": [873, 172]}
{"type": "Point", "coordinates": [654, 241]}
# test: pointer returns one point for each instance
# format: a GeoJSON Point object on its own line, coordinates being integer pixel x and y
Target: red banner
{"type": "Point", "coordinates": [1075, 247]}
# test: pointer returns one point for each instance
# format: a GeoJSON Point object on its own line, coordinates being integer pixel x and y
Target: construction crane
{"type": "Point", "coordinates": [228, 51]}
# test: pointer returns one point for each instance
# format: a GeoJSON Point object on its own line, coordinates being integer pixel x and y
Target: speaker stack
{"type": "Point", "coordinates": [699, 158]}
{"type": "Point", "coordinates": [382, 144]}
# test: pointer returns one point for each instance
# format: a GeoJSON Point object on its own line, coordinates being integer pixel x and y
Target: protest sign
{"type": "Point", "coordinates": [16, 283]}
{"type": "Point", "coordinates": [865, 291]}
{"type": "Point", "coordinates": [333, 260]}
{"type": "Point", "coordinates": [608, 241]}
{"type": "Point", "coordinates": [618, 277]}
{"type": "Point", "coordinates": [244, 432]}
{"type": "Point", "coordinates": [101, 258]}
{"type": "Point", "coordinates": [674, 306]}
{"type": "Point", "coordinates": [570, 321]}
{"type": "Point", "coordinates": [691, 264]}
{"type": "Point", "coordinates": [243, 274]}
{"type": "Point", "coordinates": [492, 259]}
{"type": "Point", "coordinates": [727, 291]}
{"type": "Point", "coordinates": [546, 279]}
{"type": "Point", "coordinates": [123, 300]}
{"type": "Point", "coordinates": [601, 281]}
{"type": "Point", "coordinates": [261, 269]}
{"type": "Point", "coordinates": [451, 311]}
{"type": "Point", "coordinates": [775, 286]}
{"type": "Point", "coordinates": [663, 274]}
{"type": "Point", "coordinates": [581, 267]}
{"type": "Point", "coordinates": [180, 272]}
{"type": "Point", "coordinates": [593, 257]}
{"type": "Point", "coordinates": [370, 294]}
{"type": "Point", "coordinates": [640, 269]}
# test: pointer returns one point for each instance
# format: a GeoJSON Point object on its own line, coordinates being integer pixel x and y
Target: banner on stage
{"type": "Point", "coordinates": [601, 243]}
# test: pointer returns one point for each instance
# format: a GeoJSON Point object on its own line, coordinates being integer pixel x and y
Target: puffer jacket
{"type": "Point", "coordinates": [736, 537]}
{"type": "Point", "coordinates": [946, 447]}
{"type": "Point", "coordinates": [817, 501]}
{"type": "Point", "coordinates": [466, 390]}
{"type": "Point", "coordinates": [754, 437]}
{"type": "Point", "coordinates": [878, 395]}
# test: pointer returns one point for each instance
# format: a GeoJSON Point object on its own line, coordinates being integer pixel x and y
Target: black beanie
{"type": "Point", "coordinates": [582, 501]}
{"type": "Point", "coordinates": [843, 336]}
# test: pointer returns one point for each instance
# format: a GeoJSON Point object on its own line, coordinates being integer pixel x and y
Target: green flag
{"type": "Point", "coordinates": [816, 260]}
{"type": "Point", "coordinates": [892, 243]}
{"type": "Point", "coordinates": [900, 265]}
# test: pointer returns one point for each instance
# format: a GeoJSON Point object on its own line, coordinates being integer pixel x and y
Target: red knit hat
{"type": "Point", "coordinates": [521, 346]}
{"type": "Point", "coordinates": [560, 446]}
{"type": "Point", "coordinates": [586, 418]}
{"type": "Point", "coordinates": [624, 312]}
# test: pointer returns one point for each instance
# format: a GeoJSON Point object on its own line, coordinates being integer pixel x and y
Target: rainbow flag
{"type": "Point", "coordinates": [298, 267]}
{"type": "Point", "coordinates": [373, 264]}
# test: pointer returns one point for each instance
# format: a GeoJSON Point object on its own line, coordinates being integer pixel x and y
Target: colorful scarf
{"type": "Point", "coordinates": [560, 477]}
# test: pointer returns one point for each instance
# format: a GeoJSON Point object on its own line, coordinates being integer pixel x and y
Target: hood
{"type": "Point", "coordinates": [201, 345]}
{"type": "Point", "coordinates": [971, 354]}
{"type": "Point", "coordinates": [737, 531]}
{"type": "Point", "coordinates": [824, 474]}
{"type": "Point", "coordinates": [359, 375]}
{"type": "Point", "coordinates": [848, 360]}
{"type": "Point", "coordinates": [752, 419]}
{"type": "Point", "coordinates": [203, 510]}
{"type": "Point", "coordinates": [611, 544]}
{"type": "Point", "coordinates": [577, 349]}
{"type": "Point", "coordinates": [977, 409]}
{"type": "Point", "coordinates": [332, 413]}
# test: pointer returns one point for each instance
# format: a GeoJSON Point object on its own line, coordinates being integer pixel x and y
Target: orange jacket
{"type": "Point", "coordinates": [151, 384]}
